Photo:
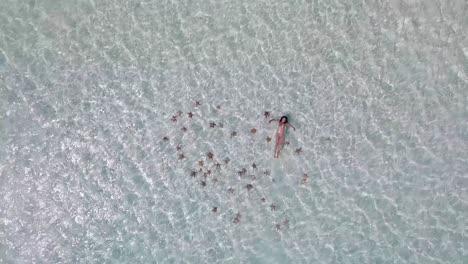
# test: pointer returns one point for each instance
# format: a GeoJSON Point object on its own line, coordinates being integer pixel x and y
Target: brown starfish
{"type": "Point", "coordinates": [267, 172]}
{"type": "Point", "coordinates": [212, 124]}
{"type": "Point", "coordinates": [174, 119]}
{"type": "Point", "coordinates": [184, 129]}
{"type": "Point", "coordinates": [237, 218]}
{"type": "Point", "coordinates": [273, 207]}
{"type": "Point", "coordinates": [231, 190]}
{"type": "Point", "coordinates": [242, 172]}
{"type": "Point", "coordinates": [249, 187]}
{"type": "Point", "coordinates": [203, 183]}
{"type": "Point", "coordinates": [268, 139]}
{"type": "Point", "coordinates": [298, 151]}
{"type": "Point", "coordinates": [278, 227]}
{"type": "Point", "coordinates": [233, 134]}
{"type": "Point", "coordinates": [215, 209]}
{"type": "Point", "coordinates": [193, 173]}
{"type": "Point", "coordinates": [179, 147]}
{"type": "Point", "coordinates": [197, 103]}
{"type": "Point", "coordinates": [266, 114]}
{"type": "Point", "coordinates": [254, 165]}
{"type": "Point", "coordinates": [226, 160]}
{"type": "Point", "coordinates": [253, 130]}
{"type": "Point", "coordinates": [181, 156]}
{"type": "Point", "coordinates": [304, 178]}
{"type": "Point", "coordinates": [200, 163]}
{"type": "Point", "coordinates": [165, 138]}
{"type": "Point", "coordinates": [209, 155]}
{"type": "Point", "coordinates": [218, 165]}
{"type": "Point", "coordinates": [263, 199]}
{"type": "Point", "coordinates": [287, 143]}
{"type": "Point", "coordinates": [190, 114]}
{"type": "Point", "coordinates": [218, 107]}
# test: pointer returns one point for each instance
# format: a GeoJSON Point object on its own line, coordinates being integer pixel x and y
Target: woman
{"type": "Point", "coordinates": [283, 123]}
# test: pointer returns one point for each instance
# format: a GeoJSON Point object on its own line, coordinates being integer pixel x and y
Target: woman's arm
{"type": "Point", "coordinates": [275, 119]}
{"type": "Point", "coordinates": [292, 126]}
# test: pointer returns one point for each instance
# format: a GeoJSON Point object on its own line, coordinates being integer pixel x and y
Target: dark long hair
{"type": "Point", "coordinates": [285, 118]}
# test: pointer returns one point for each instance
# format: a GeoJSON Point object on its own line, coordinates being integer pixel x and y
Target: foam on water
{"type": "Point", "coordinates": [378, 94]}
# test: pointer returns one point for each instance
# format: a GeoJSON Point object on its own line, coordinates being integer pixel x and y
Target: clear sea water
{"type": "Point", "coordinates": [377, 91]}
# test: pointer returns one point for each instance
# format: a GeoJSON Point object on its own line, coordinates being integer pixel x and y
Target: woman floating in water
{"type": "Point", "coordinates": [283, 123]}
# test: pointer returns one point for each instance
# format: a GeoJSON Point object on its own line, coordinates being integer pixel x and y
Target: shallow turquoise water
{"type": "Point", "coordinates": [378, 94]}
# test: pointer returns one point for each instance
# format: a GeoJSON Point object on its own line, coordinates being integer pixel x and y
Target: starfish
{"type": "Point", "coordinates": [254, 165]}
{"type": "Point", "coordinates": [209, 155]}
{"type": "Point", "coordinates": [263, 199]}
{"type": "Point", "coordinates": [298, 151]}
{"type": "Point", "coordinates": [218, 166]}
{"type": "Point", "coordinates": [215, 209]}
{"type": "Point", "coordinates": [268, 139]}
{"type": "Point", "coordinates": [190, 114]}
{"type": "Point", "coordinates": [203, 183]}
{"type": "Point", "coordinates": [231, 190]}
{"type": "Point", "coordinates": [165, 138]}
{"type": "Point", "coordinates": [278, 227]}
{"type": "Point", "coordinates": [193, 173]}
{"type": "Point", "coordinates": [237, 218]}
{"type": "Point", "coordinates": [267, 172]}
{"type": "Point", "coordinates": [179, 147]}
{"type": "Point", "coordinates": [253, 130]}
{"type": "Point", "coordinates": [181, 156]}
{"type": "Point", "coordinates": [304, 178]}
{"type": "Point", "coordinates": [273, 207]}
{"type": "Point", "coordinates": [200, 163]}
{"type": "Point", "coordinates": [184, 129]}
{"type": "Point", "coordinates": [218, 107]}
{"type": "Point", "coordinates": [233, 134]}
{"type": "Point", "coordinates": [174, 119]}
{"type": "Point", "coordinates": [249, 187]}
{"type": "Point", "coordinates": [266, 114]}
{"type": "Point", "coordinates": [197, 103]}
{"type": "Point", "coordinates": [226, 160]}
{"type": "Point", "coordinates": [212, 124]}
